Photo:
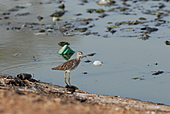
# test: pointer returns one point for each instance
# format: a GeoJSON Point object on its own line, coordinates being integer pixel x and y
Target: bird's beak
{"type": "Point", "coordinates": [83, 56]}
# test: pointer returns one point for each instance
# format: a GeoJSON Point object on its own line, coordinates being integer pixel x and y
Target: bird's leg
{"type": "Point", "coordinates": [65, 78]}
{"type": "Point", "coordinates": [69, 78]}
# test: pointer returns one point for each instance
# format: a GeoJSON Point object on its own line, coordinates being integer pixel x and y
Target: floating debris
{"type": "Point", "coordinates": [149, 29]}
{"type": "Point", "coordinates": [97, 63]}
{"type": "Point", "coordinates": [158, 72]}
{"type": "Point", "coordinates": [142, 18]}
{"type": "Point", "coordinates": [91, 54]}
{"type": "Point", "coordinates": [106, 36]}
{"type": "Point", "coordinates": [106, 2]}
{"type": "Point", "coordinates": [81, 29]}
{"type": "Point", "coordinates": [6, 17]}
{"type": "Point", "coordinates": [103, 15]}
{"type": "Point", "coordinates": [22, 14]}
{"type": "Point", "coordinates": [167, 42]}
{"type": "Point", "coordinates": [17, 54]}
{"type": "Point", "coordinates": [112, 26]}
{"type": "Point", "coordinates": [100, 10]}
{"type": "Point", "coordinates": [67, 56]}
{"type": "Point", "coordinates": [85, 72]}
{"type": "Point", "coordinates": [13, 9]}
{"type": "Point", "coordinates": [91, 10]}
{"type": "Point", "coordinates": [6, 13]}
{"type": "Point", "coordinates": [135, 78]}
{"type": "Point", "coordinates": [63, 43]}
{"type": "Point", "coordinates": [144, 37]}
{"type": "Point", "coordinates": [68, 34]}
{"type": "Point", "coordinates": [34, 59]}
{"type": "Point", "coordinates": [138, 78]}
{"type": "Point", "coordinates": [87, 61]}
{"type": "Point", "coordinates": [20, 7]}
{"type": "Point", "coordinates": [16, 8]}
{"type": "Point", "coordinates": [40, 18]}
{"type": "Point", "coordinates": [89, 33]}
{"type": "Point", "coordinates": [78, 14]}
{"type": "Point", "coordinates": [14, 28]}
{"type": "Point", "coordinates": [111, 30]}
{"type": "Point", "coordinates": [155, 63]}
{"type": "Point", "coordinates": [96, 10]}
{"type": "Point", "coordinates": [136, 22]}
{"type": "Point", "coordinates": [65, 50]}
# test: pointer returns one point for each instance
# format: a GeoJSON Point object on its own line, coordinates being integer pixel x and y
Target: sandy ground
{"type": "Point", "coordinates": [30, 96]}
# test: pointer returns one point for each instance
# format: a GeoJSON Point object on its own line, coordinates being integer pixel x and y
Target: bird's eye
{"type": "Point", "coordinates": [80, 53]}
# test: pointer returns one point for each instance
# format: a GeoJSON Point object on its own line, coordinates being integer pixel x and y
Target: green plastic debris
{"type": "Point", "coordinates": [67, 56]}
{"type": "Point", "coordinates": [65, 50]}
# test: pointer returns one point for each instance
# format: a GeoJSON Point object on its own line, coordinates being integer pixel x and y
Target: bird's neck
{"type": "Point", "coordinates": [78, 58]}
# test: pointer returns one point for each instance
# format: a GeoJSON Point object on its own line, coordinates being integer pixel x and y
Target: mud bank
{"type": "Point", "coordinates": [29, 96]}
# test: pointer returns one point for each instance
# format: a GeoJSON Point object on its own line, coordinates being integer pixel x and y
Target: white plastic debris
{"type": "Point", "coordinates": [97, 63]}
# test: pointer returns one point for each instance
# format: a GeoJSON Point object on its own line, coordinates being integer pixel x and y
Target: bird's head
{"type": "Point", "coordinates": [80, 54]}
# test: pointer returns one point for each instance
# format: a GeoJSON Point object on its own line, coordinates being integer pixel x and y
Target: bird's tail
{"type": "Point", "coordinates": [55, 68]}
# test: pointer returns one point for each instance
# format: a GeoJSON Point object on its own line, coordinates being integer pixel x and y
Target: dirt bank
{"type": "Point", "coordinates": [22, 96]}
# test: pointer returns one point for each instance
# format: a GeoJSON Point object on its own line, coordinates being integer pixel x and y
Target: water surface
{"type": "Point", "coordinates": [128, 62]}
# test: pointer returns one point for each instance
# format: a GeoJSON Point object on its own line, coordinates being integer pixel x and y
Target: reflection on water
{"type": "Point", "coordinates": [123, 58]}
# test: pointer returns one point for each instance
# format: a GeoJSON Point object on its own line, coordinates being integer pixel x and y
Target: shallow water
{"type": "Point", "coordinates": [128, 62]}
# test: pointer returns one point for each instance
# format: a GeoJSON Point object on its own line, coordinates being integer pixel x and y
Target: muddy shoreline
{"type": "Point", "coordinates": [24, 96]}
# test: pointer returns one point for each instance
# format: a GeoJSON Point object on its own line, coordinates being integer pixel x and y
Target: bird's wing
{"type": "Point", "coordinates": [66, 66]}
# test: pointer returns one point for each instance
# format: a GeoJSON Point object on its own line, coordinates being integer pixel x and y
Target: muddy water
{"type": "Point", "coordinates": [128, 62]}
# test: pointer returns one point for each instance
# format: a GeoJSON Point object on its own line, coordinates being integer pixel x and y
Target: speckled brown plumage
{"type": "Point", "coordinates": [69, 65]}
